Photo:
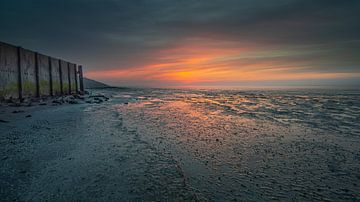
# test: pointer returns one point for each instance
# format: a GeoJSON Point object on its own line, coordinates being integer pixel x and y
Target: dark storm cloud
{"type": "Point", "coordinates": [121, 33]}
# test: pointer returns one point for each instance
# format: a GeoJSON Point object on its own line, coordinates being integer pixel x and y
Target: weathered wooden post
{"type": "Point", "coordinates": [19, 82]}
{"type": "Point", "coordinates": [50, 77]}
{"type": "Point", "coordinates": [37, 82]}
{"type": "Point", "coordinates": [76, 80]}
{"type": "Point", "coordinates": [61, 79]}
{"type": "Point", "coordinates": [69, 77]}
{"type": "Point", "coordinates": [81, 79]}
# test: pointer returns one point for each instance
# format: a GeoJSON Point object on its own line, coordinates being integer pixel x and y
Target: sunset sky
{"type": "Point", "coordinates": [175, 43]}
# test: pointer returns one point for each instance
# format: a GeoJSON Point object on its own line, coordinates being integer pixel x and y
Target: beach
{"type": "Point", "coordinates": [197, 145]}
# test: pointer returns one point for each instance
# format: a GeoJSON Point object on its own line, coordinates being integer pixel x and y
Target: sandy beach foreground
{"type": "Point", "coordinates": [80, 152]}
{"type": "Point", "coordinates": [172, 145]}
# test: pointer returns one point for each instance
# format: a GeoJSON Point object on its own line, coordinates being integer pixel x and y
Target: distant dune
{"type": "Point", "coordinates": [92, 84]}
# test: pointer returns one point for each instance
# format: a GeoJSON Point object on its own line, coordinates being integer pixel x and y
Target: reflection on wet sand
{"type": "Point", "coordinates": [255, 146]}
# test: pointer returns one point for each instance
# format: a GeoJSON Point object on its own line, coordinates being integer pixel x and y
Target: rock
{"type": "Point", "coordinates": [29, 104]}
{"type": "Point", "coordinates": [98, 101]}
{"type": "Point", "coordinates": [18, 111]}
{"type": "Point", "coordinates": [98, 96]}
{"type": "Point", "coordinates": [14, 104]}
{"type": "Point", "coordinates": [81, 97]}
{"type": "Point", "coordinates": [69, 98]}
{"type": "Point", "coordinates": [42, 103]}
{"type": "Point", "coordinates": [10, 100]}
{"type": "Point", "coordinates": [27, 116]}
{"type": "Point", "coordinates": [73, 102]}
{"type": "Point", "coordinates": [3, 121]}
{"type": "Point", "coordinates": [57, 101]}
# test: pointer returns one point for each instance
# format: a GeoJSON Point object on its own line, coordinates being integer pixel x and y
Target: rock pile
{"type": "Point", "coordinates": [80, 99]}
{"type": "Point", "coordinates": [66, 99]}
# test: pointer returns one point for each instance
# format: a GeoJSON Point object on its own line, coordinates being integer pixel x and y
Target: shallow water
{"type": "Point", "coordinates": [251, 145]}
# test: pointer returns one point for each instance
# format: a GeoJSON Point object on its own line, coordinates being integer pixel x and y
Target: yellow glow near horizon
{"type": "Point", "coordinates": [191, 64]}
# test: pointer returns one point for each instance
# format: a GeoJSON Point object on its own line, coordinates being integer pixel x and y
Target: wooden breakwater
{"type": "Point", "coordinates": [28, 74]}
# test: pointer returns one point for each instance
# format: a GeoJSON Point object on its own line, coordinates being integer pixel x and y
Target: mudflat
{"type": "Point", "coordinates": [151, 144]}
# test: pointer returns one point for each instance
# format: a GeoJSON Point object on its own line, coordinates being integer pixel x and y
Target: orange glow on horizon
{"type": "Point", "coordinates": [191, 64]}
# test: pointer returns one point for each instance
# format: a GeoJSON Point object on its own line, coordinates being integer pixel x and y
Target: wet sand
{"type": "Point", "coordinates": [139, 146]}
{"type": "Point", "coordinates": [80, 152]}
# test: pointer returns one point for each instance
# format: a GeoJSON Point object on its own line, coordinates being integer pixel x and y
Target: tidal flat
{"type": "Point", "coordinates": [185, 145]}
